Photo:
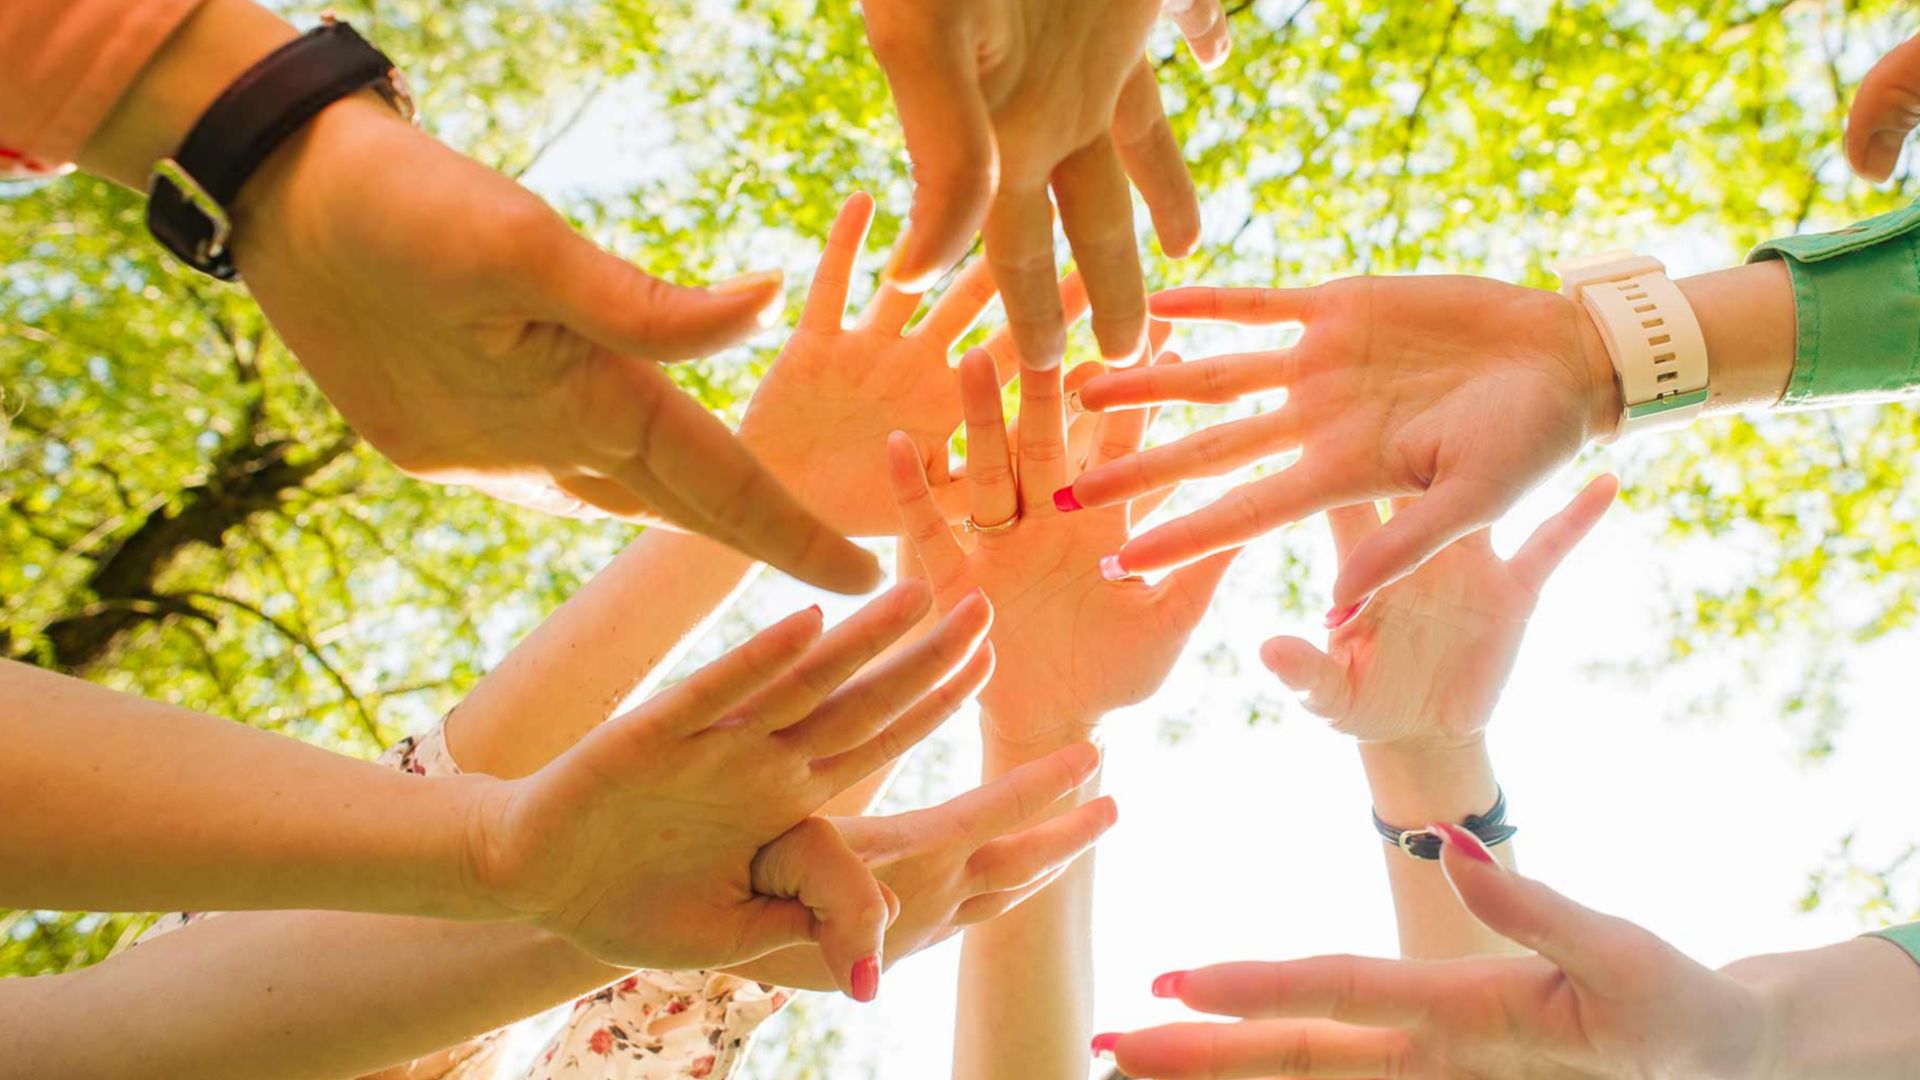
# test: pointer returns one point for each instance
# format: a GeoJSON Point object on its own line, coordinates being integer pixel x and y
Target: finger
{"type": "Point", "coordinates": [1212, 451]}
{"type": "Point", "coordinates": [1014, 862]}
{"type": "Point", "coordinates": [704, 697]}
{"type": "Point", "coordinates": [990, 482]}
{"type": "Point", "coordinates": [814, 864]}
{"type": "Point", "coordinates": [1183, 596]}
{"type": "Point", "coordinates": [1142, 507]}
{"type": "Point", "coordinates": [1351, 989]}
{"type": "Point", "coordinates": [959, 307]}
{"type": "Point", "coordinates": [1248, 307]}
{"type": "Point", "coordinates": [838, 773]}
{"type": "Point", "coordinates": [991, 810]}
{"type": "Point", "coordinates": [623, 309]}
{"type": "Point", "coordinates": [1006, 355]}
{"type": "Point", "coordinates": [1122, 431]}
{"type": "Point", "coordinates": [1320, 681]}
{"type": "Point", "coordinates": [1152, 158]}
{"type": "Point", "coordinates": [921, 521]}
{"type": "Point", "coordinates": [934, 74]}
{"type": "Point", "coordinates": [1547, 548]}
{"type": "Point", "coordinates": [655, 503]}
{"type": "Point", "coordinates": [986, 906]}
{"type": "Point", "coordinates": [706, 467]}
{"type": "Point", "coordinates": [1204, 24]}
{"type": "Point", "coordinates": [826, 307]}
{"type": "Point", "coordinates": [1042, 448]}
{"type": "Point", "coordinates": [1449, 510]}
{"type": "Point", "coordinates": [1215, 380]}
{"type": "Point", "coordinates": [1885, 111]}
{"type": "Point", "coordinates": [1019, 239]}
{"type": "Point", "coordinates": [853, 713]}
{"type": "Point", "coordinates": [1244, 513]}
{"type": "Point", "coordinates": [840, 653]}
{"type": "Point", "coordinates": [891, 309]}
{"type": "Point", "coordinates": [1588, 946]}
{"type": "Point", "coordinates": [1351, 526]}
{"type": "Point", "coordinates": [1096, 210]}
{"type": "Point", "coordinates": [1262, 1048]}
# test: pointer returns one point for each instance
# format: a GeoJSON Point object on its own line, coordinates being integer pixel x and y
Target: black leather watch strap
{"type": "Point", "coordinates": [191, 192]}
{"type": "Point", "coordinates": [1491, 828]}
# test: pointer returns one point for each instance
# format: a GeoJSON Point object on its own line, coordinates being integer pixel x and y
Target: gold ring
{"type": "Point", "coordinates": [974, 528]}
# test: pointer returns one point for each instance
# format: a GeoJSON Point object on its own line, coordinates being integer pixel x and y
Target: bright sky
{"type": "Point", "coordinates": [1253, 841]}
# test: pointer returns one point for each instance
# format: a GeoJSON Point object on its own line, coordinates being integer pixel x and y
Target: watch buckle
{"type": "Point", "coordinates": [1411, 836]}
{"type": "Point", "coordinates": [196, 196]}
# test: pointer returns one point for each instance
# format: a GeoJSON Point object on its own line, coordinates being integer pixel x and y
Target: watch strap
{"type": "Point", "coordinates": [191, 192]}
{"type": "Point", "coordinates": [1424, 843]}
{"type": "Point", "coordinates": [1652, 337]}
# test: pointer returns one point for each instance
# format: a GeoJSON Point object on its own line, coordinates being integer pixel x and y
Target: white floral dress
{"type": "Point", "coordinates": [651, 1025]}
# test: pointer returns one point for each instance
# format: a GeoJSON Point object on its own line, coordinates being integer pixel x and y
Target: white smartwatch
{"type": "Point", "coordinates": [1651, 334]}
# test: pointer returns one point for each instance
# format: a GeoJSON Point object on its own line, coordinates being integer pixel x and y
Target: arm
{"type": "Point", "coordinates": [1072, 647]}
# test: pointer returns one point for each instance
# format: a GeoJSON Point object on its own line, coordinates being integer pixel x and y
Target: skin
{"type": "Point", "coordinates": [1074, 646]}
{"type": "Point", "coordinates": [463, 328]}
{"type": "Point", "coordinates": [1005, 101]}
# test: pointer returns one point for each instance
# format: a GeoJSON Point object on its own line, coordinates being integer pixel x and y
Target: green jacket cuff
{"type": "Point", "coordinates": [1907, 937]}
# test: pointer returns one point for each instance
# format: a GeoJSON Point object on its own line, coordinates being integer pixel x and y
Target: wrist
{"type": "Point", "coordinates": [463, 856]}
{"type": "Point", "coordinates": [1012, 738]}
{"type": "Point", "coordinates": [1604, 406]}
{"type": "Point", "coordinates": [1415, 782]}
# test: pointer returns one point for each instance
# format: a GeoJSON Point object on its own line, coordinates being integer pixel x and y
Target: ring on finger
{"type": "Point", "coordinates": [974, 528]}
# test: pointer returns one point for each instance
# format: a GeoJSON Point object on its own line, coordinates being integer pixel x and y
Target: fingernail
{"type": "Point", "coordinates": [1168, 985]}
{"type": "Point", "coordinates": [1104, 1043]}
{"type": "Point", "coordinates": [1111, 569]}
{"type": "Point", "coordinates": [815, 608]}
{"type": "Point", "coordinates": [1074, 405]}
{"type": "Point", "coordinates": [1469, 844]}
{"type": "Point", "coordinates": [1065, 501]}
{"type": "Point", "coordinates": [747, 282]}
{"type": "Point", "coordinates": [866, 979]}
{"type": "Point", "coordinates": [1338, 617]}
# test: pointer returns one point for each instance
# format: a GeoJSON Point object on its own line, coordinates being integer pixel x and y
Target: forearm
{"type": "Point", "coordinates": [1025, 1004]}
{"type": "Point", "coordinates": [1747, 318]}
{"type": "Point", "coordinates": [607, 644]}
{"type": "Point", "coordinates": [1415, 785]}
{"type": "Point", "coordinates": [289, 994]}
{"type": "Point", "coordinates": [1844, 1012]}
{"type": "Point", "coordinates": [115, 803]}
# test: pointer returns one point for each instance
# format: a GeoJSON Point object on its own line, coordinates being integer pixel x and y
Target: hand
{"type": "Point", "coordinates": [951, 865]}
{"type": "Point", "coordinates": [1885, 110]}
{"type": "Point", "coordinates": [820, 417]}
{"type": "Point", "coordinates": [1001, 100]}
{"type": "Point", "coordinates": [1603, 998]}
{"type": "Point", "coordinates": [1463, 391]}
{"type": "Point", "coordinates": [638, 843]}
{"type": "Point", "coordinates": [471, 336]}
{"type": "Point", "coordinates": [1071, 644]}
{"type": "Point", "coordinates": [1425, 660]}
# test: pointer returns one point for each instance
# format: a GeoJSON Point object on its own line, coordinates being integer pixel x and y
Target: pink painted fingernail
{"type": "Point", "coordinates": [1168, 985]}
{"type": "Point", "coordinates": [1065, 501]}
{"type": "Point", "coordinates": [866, 979]}
{"type": "Point", "coordinates": [815, 608]}
{"type": "Point", "coordinates": [1338, 617]}
{"type": "Point", "coordinates": [1111, 569]}
{"type": "Point", "coordinates": [1104, 1043]}
{"type": "Point", "coordinates": [1469, 844]}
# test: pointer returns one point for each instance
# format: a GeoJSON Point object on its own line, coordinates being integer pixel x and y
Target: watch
{"type": "Point", "coordinates": [1659, 356]}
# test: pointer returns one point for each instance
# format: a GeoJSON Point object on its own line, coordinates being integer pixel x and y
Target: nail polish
{"type": "Point", "coordinates": [1339, 617]}
{"type": "Point", "coordinates": [815, 608]}
{"type": "Point", "coordinates": [1066, 501]}
{"type": "Point", "coordinates": [1111, 569]}
{"type": "Point", "coordinates": [1469, 844]}
{"type": "Point", "coordinates": [1168, 985]}
{"type": "Point", "coordinates": [866, 979]}
{"type": "Point", "coordinates": [1103, 1045]}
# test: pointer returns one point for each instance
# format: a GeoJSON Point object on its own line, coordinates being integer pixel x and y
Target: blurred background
{"type": "Point", "coordinates": [1712, 729]}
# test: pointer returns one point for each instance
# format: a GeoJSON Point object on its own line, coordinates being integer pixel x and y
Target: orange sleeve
{"type": "Point", "coordinates": [64, 64]}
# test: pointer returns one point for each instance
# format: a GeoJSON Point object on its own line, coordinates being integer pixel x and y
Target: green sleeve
{"type": "Point", "coordinates": [1907, 937]}
{"type": "Point", "coordinates": [1856, 296]}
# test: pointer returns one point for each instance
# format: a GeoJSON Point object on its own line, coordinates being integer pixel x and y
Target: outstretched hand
{"type": "Point", "coordinates": [638, 844]}
{"type": "Point", "coordinates": [1885, 110]}
{"type": "Point", "coordinates": [473, 337]}
{"type": "Point", "coordinates": [1602, 998]}
{"type": "Point", "coordinates": [1465, 392]}
{"type": "Point", "coordinates": [1001, 100]}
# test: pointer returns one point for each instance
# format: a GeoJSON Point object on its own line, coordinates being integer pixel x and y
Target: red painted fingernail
{"type": "Point", "coordinates": [1065, 501]}
{"type": "Point", "coordinates": [1469, 844]}
{"type": "Point", "coordinates": [1338, 617]}
{"type": "Point", "coordinates": [1168, 985]}
{"type": "Point", "coordinates": [1104, 1043]}
{"type": "Point", "coordinates": [1111, 569]}
{"type": "Point", "coordinates": [866, 979]}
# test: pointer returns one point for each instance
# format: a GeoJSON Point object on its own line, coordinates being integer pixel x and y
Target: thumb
{"type": "Point", "coordinates": [1450, 509]}
{"type": "Point", "coordinates": [1885, 109]}
{"type": "Point", "coordinates": [849, 911]}
{"type": "Point", "coordinates": [626, 310]}
{"type": "Point", "coordinates": [1318, 678]}
{"type": "Point", "coordinates": [1588, 946]}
